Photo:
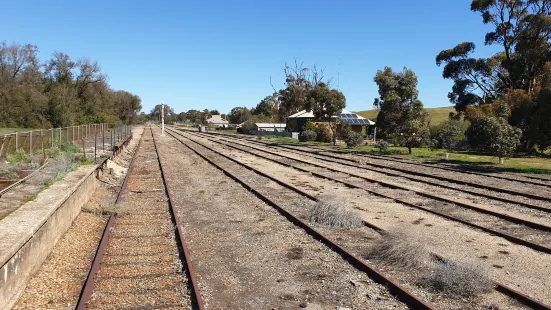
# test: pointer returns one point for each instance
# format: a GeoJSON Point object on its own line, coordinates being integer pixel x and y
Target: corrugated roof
{"type": "Point", "coordinates": [302, 114]}
{"type": "Point", "coordinates": [345, 115]}
{"type": "Point", "coordinates": [271, 125]}
{"type": "Point", "coordinates": [217, 119]}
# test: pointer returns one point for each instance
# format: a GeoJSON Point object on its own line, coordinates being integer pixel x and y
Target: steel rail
{"type": "Point", "coordinates": [511, 238]}
{"type": "Point", "coordinates": [502, 288]}
{"type": "Point", "coordinates": [476, 185]}
{"type": "Point", "coordinates": [426, 194]}
{"type": "Point", "coordinates": [89, 284]}
{"type": "Point", "coordinates": [402, 293]}
{"type": "Point", "coordinates": [186, 252]}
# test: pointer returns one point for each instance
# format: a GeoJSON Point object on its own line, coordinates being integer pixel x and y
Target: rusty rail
{"type": "Point", "coordinates": [89, 284]}
{"type": "Point", "coordinates": [187, 253]}
{"type": "Point", "coordinates": [523, 298]}
{"type": "Point", "coordinates": [400, 292]}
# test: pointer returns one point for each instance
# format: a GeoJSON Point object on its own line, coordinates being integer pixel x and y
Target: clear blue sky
{"type": "Point", "coordinates": [221, 54]}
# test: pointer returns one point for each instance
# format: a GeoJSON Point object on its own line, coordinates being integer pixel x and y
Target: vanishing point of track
{"type": "Point", "coordinates": [142, 260]}
{"type": "Point", "coordinates": [499, 286]}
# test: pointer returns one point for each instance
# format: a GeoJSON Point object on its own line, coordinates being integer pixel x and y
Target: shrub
{"type": "Point", "coordinates": [353, 139]}
{"type": "Point", "coordinates": [17, 157]}
{"type": "Point", "coordinates": [308, 135]}
{"type": "Point", "coordinates": [382, 145]}
{"type": "Point", "coordinates": [247, 128]}
{"type": "Point", "coordinates": [493, 135]}
{"type": "Point", "coordinates": [12, 175]}
{"type": "Point", "coordinates": [324, 133]}
{"type": "Point", "coordinates": [69, 148]}
{"type": "Point", "coordinates": [334, 216]}
{"type": "Point", "coordinates": [399, 249]}
{"type": "Point", "coordinates": [309, 126]}
{"type": "Point", "coordinates": [459, 278]}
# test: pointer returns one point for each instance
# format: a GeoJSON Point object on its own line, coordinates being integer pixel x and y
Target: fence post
{"type": "Point", "coordinates": [112, 144]}
{"type": "Point", "coordinates": [31, 143]}
{"type": "Point", "coordinates": [60, 142]}
{"type": "Point", "coordinates": [16, 141]}
{"type": "Point", "coordinates": [53, 138]}
{"type": "Point", "coordinates": [42, 144]}
{"type": "Point", "coordinates": [103, 141]}
{"type": "Point", "coordinates": [95, 145]}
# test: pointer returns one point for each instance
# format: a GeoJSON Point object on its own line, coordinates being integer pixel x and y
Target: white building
{"type": "Point", "coordinates": [218, 121]}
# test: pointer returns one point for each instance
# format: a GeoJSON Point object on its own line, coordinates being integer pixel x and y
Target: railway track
{"type": "Point", "coordinates": [526, 300]}
{"type": "Point", "coordinates": [491, 173]}
{"type": "Point", "coordinates": [397, 290]}
{"type": "Point", "coordinates": [533, 236]}
{"type": "Point", "coordinates": [142, 260]}
{"type": "Point", "coordinates": [541, 203]}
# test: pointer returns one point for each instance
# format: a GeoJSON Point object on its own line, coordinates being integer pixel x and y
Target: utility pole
{"type": "Point", "coordinates": [162, 118]}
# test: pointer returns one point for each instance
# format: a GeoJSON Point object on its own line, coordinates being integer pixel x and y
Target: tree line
{"type": "Point", "coordinates": [58, 92]}
{"type": "Point", "coordinates": [502, 103]}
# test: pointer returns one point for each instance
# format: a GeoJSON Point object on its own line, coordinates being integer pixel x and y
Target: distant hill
{"type": "Point", "coordinates": [437, 115]}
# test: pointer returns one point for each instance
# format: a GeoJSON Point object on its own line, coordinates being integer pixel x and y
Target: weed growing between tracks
{"type": "Point", "coordinates": [454, 279]}
{"type": "Point", "coordinates": [332, 215]}
{"type": "Point", "coordinates": [398, 249]}
{"type": "Point", "coordinates": [464, 279]}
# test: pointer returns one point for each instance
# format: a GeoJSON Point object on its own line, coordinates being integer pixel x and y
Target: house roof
{"type": "Point", "coordinates": [345, 115]}
{"type": "Point", "coordinates": [302, 114]}
{"type": "Point", "coordinates": [217, 119]}
{"type": "Point", "coordinates": [271, 125]}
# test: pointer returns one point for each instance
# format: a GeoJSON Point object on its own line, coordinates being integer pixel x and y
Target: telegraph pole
{"type": "Point", "coordinates": [162, 118]}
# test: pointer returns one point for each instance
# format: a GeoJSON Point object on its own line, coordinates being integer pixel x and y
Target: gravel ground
{"type": "Point", "coordinates": [248, 256]}
{"type": "Point", "coordinates": [542, 191]}
{"type": "Point", "coordinates": [538, 190]}
{"type": "Point", "coordinates": [518, 266]}
{"type": "Point", "coordinates": [141, 266]}
{"type": "Point", "coordinates": [58, 282]}
{"type": "Point", "coordinates": [521, 231]}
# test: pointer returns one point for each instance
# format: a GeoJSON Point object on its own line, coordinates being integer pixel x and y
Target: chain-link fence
{"type": "Point", "coordinates": [96, 138]}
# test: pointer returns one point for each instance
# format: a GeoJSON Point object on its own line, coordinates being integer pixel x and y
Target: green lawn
{"type": "Point", "coordinates": [437, 115]}
{"type": "Point", "coordinates": [4, 130]}
{"type": "Point", "coordinates": [518, 163]}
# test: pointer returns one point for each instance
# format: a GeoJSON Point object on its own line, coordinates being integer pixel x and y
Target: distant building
{"type": "Point", "coordinates": [296, 122]}
{"type": "Point", "coordinates": [218, 121]}
{"type": "Point", "coordinates": [272, 127]}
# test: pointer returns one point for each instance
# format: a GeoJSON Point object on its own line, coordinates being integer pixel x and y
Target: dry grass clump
{"type": "Point", "coordinates": [398, 249]}
{"type": "Point", "coordinates": [331, 215]}
{"type": "Point", "coordinates": [451, 278]}
{"type": "Point", "coordinates": [464, 279]}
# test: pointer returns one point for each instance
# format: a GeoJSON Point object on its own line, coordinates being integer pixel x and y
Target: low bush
{"type": "Point", "coordinates": [459, 279]}
{"type": "Point", "coordinates": [17, 157]}
{"type": "Point", "coordinates": [324, 133]}
{"type": "Point", "coordinates": [399, 249]}
{"type": "Point", "coordinates": [69, 148]}
{"type": "Point", "coordinates": [308, 136]}
{"type": "Point", "coordinates": [331, 215]}
{"type": "Point", "coordinates": [353, 139]}
{"type": "Point", "coordinates": [382, 145]}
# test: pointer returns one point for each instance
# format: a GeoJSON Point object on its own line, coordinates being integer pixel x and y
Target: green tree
{"type": "Point", "coordinates": [239, 115]}
{"type": "Point", "coordinates": [266, 107]}
{"type": "Point", "coordinates": [401, 112]}
{"type": "Point", "coordinates": [325, 103]}
{"type": "Point", "coordinates": [494, 135]}
{"type": "Point", "coordinates": [449, 134]}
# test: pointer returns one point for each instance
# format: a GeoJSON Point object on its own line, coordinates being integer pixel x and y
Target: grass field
{"type": "Point", "coordinates": [437, 115]}
{"type": "Point", "coordinates": [518, 163]}
{"type": "Point", "coordinates": [4, 130]}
